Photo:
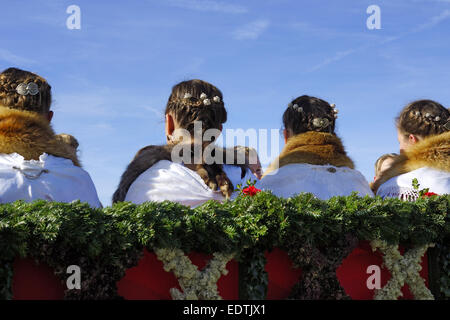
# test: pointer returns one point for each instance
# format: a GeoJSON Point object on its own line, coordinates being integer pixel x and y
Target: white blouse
{"type": "Point", "coordinates": [401, 187]}
{"type": "Point", "coordinates": [171, 181]}
{"type": "Point", "coordinates": [324, 181]}
{"type": "Point", "coordinates": [49, 178]}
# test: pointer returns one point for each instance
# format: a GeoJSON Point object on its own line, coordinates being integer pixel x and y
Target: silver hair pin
{"type": "Point", "coordinates": [447, 125]}
{"type": "Point", "coordinates": [321, 122]}
{"type": "Point", "coordinates": [31, 89]}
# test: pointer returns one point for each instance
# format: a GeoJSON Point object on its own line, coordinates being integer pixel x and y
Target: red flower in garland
{"type": "Point", "coordinates": [250, 191]}
{"type": "Point", "coordinates": [430, 194]}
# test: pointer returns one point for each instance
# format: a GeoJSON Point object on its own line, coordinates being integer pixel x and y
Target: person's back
{"type": "Point", "coordinates": [423, 129]}
{"type": "Point", "coordinates": [35, 163]}
{"type": "Point", "coordinates": [314, 159]}
{"type": "Point", "coordinates": [194, 108]}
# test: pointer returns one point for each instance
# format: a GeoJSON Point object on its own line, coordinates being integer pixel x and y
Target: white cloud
{"type": "Point", "coordinates": [252, 30]}
{"type": "Point", "coordinates": [11, 58]}
{"type": "Point", "coordinates": [207, 5]}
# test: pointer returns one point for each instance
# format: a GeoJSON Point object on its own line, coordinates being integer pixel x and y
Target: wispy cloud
{"type": "Point", "coordinates": [251, 31]}
{"type": "Point", "coordinates": [11, 58]}
{"type": "Point", "coordinates": [434, 21]}
{"type": "Point", "coordinates": [338, 56]}
{"type": "Point", "coordinates": [208, 5]}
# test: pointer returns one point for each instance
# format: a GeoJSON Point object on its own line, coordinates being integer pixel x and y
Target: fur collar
{"type": "Point", "coordinates": [312, 147]}
{"type": "Point", "coordinates": [432, 152]}
{"type": "Point", "coordinates": [30, 135]}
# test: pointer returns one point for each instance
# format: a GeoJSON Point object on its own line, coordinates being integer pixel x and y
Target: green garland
{"type": "Point", "coordinates": [106, 242]}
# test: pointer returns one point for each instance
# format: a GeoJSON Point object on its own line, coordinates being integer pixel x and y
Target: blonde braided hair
{"type": "Point", "coordinates": [11, 78]}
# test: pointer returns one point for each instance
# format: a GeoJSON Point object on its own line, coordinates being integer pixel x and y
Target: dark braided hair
{"type": "Point", "coordinates": [307, 113]}
{"type": "Point", "coordinates": [187, 110]}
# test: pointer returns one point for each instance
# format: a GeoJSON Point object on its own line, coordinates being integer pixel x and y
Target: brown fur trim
{"type": "Point", "coordinates": [317, 148]}
{"type": "Point", "coordinates": [432, 152]}
{"type": "Point", "coordinates": [30, 135]}
{"type": "Point", "coordinates": [143, 160]}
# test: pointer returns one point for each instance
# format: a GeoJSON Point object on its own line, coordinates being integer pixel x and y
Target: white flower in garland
{"type": "Point", "coordinates": [216, 99]}
{"type": "Point", "coordinates": [194, 283]}
{"type": "Point", "coordinates": [203, 96]}
{"type": "Point", "coordinates": [403, 269]}
{"type": "Point", "coordinates": [207, 102]}
{"type": "Point", "coordinates": [187, 95]}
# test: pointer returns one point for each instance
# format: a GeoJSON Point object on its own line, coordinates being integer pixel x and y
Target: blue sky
{"type": "Point", "coordinates": [112, 78]}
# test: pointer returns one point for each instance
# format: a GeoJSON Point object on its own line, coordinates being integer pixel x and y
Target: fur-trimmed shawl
{"type": "Point", "coordinates": [150, 155]}
{"type": "Point", "coordinates": [432, 152]}
{"type": "Point", "coordinates": [30, 135]}
{"type": "Point", "coordinates": [316, 148]}
{"type": "Point", "coordinates": [143, 160]}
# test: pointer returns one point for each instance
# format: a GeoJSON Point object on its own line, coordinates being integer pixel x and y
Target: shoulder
{"type": "Point", "coordinates": [323, 181]}
{"type": "Point", "coordinates": [436, 180]}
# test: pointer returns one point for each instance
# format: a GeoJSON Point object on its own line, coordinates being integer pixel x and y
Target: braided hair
{"type": "Point", "coordinates": [424, 118]}
{"type": "Point", "coordinates": [307, 113]}
{"type": "Point", "coordinates": [197, 100]}
{"type": "Point", "coordinates": [10, 96]}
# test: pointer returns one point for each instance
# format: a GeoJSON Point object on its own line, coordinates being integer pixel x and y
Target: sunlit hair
{"type": "Point", "coordinates": [423, 118]}
{"type": "Point", "coordinates": [9, 97]}
{"type": "Point", "coordinates": [381, 159]}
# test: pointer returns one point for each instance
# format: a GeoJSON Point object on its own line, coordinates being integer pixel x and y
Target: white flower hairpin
{"type": "Point", "coordinates": [31, 89]}
{"type": "Point", "coordinates": [204, 98]}
{"type": "Point", "coordinates": [335, 111]}
{"type": "Point", "coordinates": [296, 107]}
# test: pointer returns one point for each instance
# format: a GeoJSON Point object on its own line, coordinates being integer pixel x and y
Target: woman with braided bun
{"type": "Point", "coordinates": [35, 163]}
{"type": "Point", "coordinates": [194, 107]}
{"type": "Point", "coordinates": [423, 129]}
{"type": "Point", "coordinates": [314, 159]}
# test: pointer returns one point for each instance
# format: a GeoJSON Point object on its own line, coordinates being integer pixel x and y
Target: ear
{"type": "Point", "coordinates": [286, 135]}
{"type": "Point", "coordinates": [413, 139]}
{"type": "Point", "coordinates": [220, 127]}
{"type": "Point", "coordinates": [170, 125]}
{"type": "Point", "coordinates": [50, 116]}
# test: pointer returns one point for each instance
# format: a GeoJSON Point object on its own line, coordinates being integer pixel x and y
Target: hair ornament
{"type": "Point", "coordinates": [297, 108]}
{"type": "Point", "coordinates": [447, 125]}
{"type": "Point", "coordinates": [335, 113]}
{"type": "Point", "coordinates": [332, 106]}
{"type": "Point", "coordinates": [31, 89]}
{"type": "Point", "coordinates": [207, 102]}
{"type": "Point", "coordinates": [321, 122]}
{"type": "Point", "coordinates": [187, 95]}
{"type": "Point", "coordinates": [427, 115]}
{"type": "Point", "coordinates": [417, 113]}
{"type": "Point", "coordinates": [203, 96]}
{"type": "Point", "coordinates": [437, 119]}
{"type": "Point", "coordinates": [216, 99]}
